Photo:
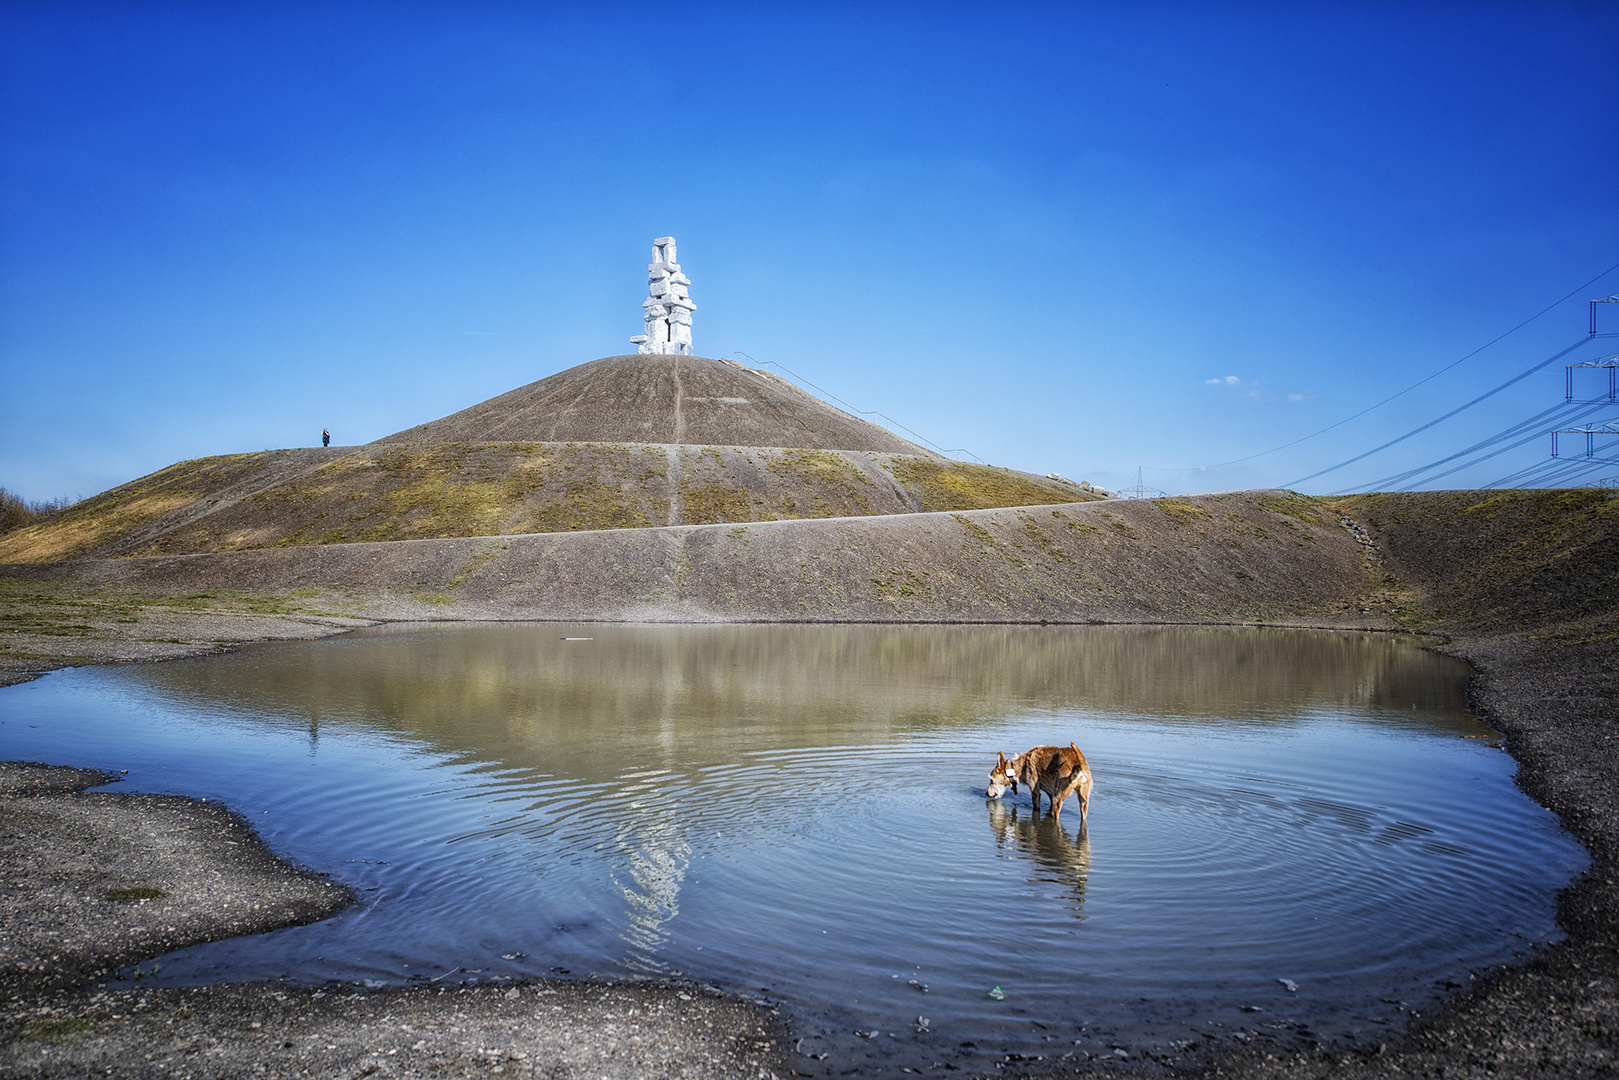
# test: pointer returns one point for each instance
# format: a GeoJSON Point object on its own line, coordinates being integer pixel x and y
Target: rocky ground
{"type": "Point", "coordinates": [95, 880]}
{"type": "Point", "coordinates": [1240, 557]}
{"type": "Point", "coordinates": [1520, 584]}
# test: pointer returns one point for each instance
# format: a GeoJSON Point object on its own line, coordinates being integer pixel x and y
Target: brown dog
{"type": "Point", "coordinates": [1058, 771]}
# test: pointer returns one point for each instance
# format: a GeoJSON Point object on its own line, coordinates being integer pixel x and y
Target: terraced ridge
{"type": "Point", "coordinates": [408, 491]}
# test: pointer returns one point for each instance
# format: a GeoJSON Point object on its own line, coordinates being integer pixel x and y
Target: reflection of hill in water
{"type": "Point", "coordinates": [481, 687]}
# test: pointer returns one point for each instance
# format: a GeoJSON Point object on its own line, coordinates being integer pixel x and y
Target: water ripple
{"type": "Point", "coordinates": [805, 810]}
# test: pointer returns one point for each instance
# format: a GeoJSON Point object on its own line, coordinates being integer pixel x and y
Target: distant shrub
{"type": "Point", "coordinates": [16, 511]}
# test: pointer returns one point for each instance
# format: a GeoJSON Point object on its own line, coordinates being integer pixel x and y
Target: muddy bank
{"type": "Point", "coordinates": [565, 1029]}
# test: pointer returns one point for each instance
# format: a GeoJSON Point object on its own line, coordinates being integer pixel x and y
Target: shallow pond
{"type": "Point", "coordinates": [798, 812]}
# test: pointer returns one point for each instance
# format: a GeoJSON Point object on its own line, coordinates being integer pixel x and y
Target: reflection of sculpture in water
{"type": "Point", "coordinates": [1043, 841]}
{"type": "Point", "coordinates": [648, 872]}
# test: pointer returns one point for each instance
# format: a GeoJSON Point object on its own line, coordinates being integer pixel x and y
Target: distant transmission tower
{"type": "Point", "coordinates": [1609, 428]}
{"type": "Point", "coordinates": [1614, 299]}
{"type": "Point", "coordinates": [1590, 431]}
{"type": "Point", "coordinates": [1141, 490]}
{"type": "Point", "coordinates": [1608, 363]}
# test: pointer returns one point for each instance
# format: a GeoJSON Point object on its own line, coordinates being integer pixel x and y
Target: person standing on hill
{"type": "Point", "coordinates": [325, 437]}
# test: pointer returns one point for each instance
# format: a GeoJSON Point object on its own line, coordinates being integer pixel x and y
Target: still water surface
{"type": "Point", "coordinates": [799, 810]}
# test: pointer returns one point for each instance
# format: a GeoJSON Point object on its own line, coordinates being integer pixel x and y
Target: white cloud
{"type": "Point", "coordinates": [1229, 380]}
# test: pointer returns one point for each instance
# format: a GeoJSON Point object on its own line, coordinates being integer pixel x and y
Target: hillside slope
{"type": "Point", "coordinates": [661, 399]}
{"type": "Point", "coordinates": [425, 491]}
{"type": "Point", "coordinates": [1515, 560]}
{"type": "Point", "coordinates": [1240, 557]}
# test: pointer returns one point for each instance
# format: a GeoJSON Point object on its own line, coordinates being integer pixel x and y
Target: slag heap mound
{"type": "Point", "coordinates": [622, 443]}
{"type": "Point", "coordinates": [691, 400]}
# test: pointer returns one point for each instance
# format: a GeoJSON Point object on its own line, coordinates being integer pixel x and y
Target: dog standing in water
{"type": "Point", "coordinates": [1058, 771]}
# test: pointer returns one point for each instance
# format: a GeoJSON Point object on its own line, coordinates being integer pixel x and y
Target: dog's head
{"type": "Point", "coordinates": [1003, 776]}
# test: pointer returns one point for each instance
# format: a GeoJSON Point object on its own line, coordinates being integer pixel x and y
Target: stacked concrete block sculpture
{"type": "Point", "coordinates": [668, 309]}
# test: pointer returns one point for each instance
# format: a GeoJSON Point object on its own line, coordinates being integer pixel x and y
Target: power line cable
{"type": "Point", "coordinates": [1516, 478]}
{"type": "Point", "coordinates": [1571, 477]}
{"type": "Point", "coordinates": [1556, 414]}
{"type": "Point", "coordinates": [1486, 457]}
{"type": "Point", "coordinates": [1407, 390]}
{"type": "Point", "coordinates": [1387, 482]}
{"type": "Point", "coordinates": [1543, 471]}
{"type": "Point", "coordinates": [1460, 408]}
{"type": "Point", "coordinates": [1554, 473]}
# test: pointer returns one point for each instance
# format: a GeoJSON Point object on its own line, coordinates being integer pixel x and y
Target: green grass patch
{"type": "Point", "coordinates": [956, 485]}
{"type": "Point", "coordinates": [475, 563]}
{"type": "Point", "coordinates": [1042, 540]}
{"type": "Point", "coordinates": [139, 892]}
{"type": "Point", "coordinates": [832, 483]}
{"type": "Point", "coordinates": [57, 1031]}
{"type": "Point", "coordinates": [710, 503]}
{"type": "Point", "coordinates": [1301, 507]}
{"type": "Point", "coordinates": [1184, 513]}
{"type": "Point", "coordinates": [1119, 526]}
{"type": "Point", "coordinates": [975, 529]}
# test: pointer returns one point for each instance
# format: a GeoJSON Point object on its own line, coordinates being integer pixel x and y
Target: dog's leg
{"type": "Point", "coordinates": [1084, 790]}
{"type": "Point", "coordinates": [1072, 786]}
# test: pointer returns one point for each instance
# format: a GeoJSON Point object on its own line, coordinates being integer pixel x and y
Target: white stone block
{"type": "Point", "coordinates": [667, 309]}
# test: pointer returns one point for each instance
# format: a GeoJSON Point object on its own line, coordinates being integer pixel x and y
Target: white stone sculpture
{"type": "Point", "coordinates": [668, 309]}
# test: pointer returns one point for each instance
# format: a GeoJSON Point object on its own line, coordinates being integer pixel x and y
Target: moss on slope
{"type": "Point", "coordinates": [420, 491]}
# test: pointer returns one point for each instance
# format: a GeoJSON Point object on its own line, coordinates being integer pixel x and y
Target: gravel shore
{"type": "Point", "coordinates": [98, 880]}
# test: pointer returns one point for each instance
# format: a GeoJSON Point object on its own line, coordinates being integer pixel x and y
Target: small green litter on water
{"type": "Point", "coordinates": [997, 993]}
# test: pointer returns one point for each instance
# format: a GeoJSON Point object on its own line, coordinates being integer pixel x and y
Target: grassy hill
{"type": "Point", "coordinates": [391, 491]}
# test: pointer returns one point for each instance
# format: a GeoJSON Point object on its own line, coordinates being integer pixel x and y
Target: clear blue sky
{"type": "Point", "coordinates": [1078, 238]}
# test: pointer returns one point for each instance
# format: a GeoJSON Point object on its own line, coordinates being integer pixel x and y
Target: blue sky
{"type": "Point", "coordinates": [1081, 238]}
